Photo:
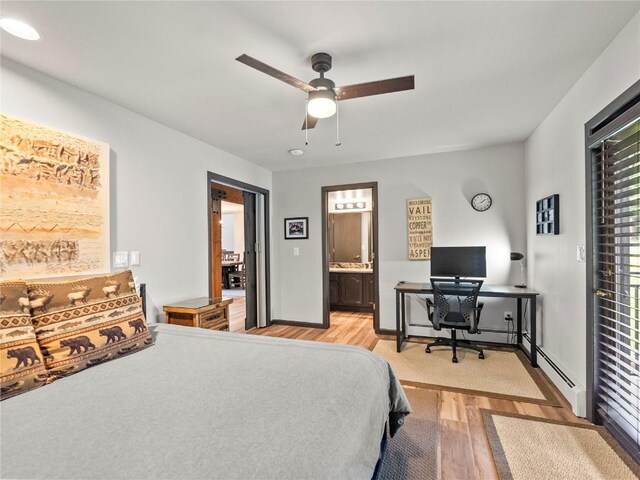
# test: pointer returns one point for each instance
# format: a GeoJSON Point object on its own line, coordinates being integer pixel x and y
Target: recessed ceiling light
{"type": "Point", "coordinates": [296, 151]}
{"type": "Point", "coordinates": [19, 29]}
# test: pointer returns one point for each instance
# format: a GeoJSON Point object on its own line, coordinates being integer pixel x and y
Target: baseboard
{"type": "Point", "coordinates": [575, 393]}
{"type": "Point", "coordinates": [346, 308]}
{"type": "Point", "coordinates": [293, 323]}
{"type": "Point", "coordinates": [385, 331]}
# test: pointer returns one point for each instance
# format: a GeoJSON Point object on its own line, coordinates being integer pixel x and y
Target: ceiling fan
{"type": "Point", "coordinates": [323, 94]}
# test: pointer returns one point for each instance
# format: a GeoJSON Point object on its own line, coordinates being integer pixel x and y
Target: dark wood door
{"type": "Point", "coordinates": [215, 217]}
{"type": "Point", "coordinates": [346, 229]}
{"type": "Point", "coordinates": [351, 289]}
{"type": "Point", "coordinates": [251, 289]}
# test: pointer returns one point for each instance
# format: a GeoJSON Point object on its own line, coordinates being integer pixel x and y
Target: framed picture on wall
{"type": "Point", "coordinates": [296, 228]}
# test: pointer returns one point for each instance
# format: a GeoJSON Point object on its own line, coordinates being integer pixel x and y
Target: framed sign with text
{"type": "Point", "coordinates": [419, 228]}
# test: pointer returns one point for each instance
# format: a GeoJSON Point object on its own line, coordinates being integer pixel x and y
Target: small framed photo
{"type": "Point", "coordinates": [296, 228]}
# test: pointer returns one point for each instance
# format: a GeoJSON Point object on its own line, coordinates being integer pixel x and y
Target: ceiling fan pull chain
{"type": "Point", "coordinates": [338, 142]}
{"type": "Point", "coordinates": [306, 122]}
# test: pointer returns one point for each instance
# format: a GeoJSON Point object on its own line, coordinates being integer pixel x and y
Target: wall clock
{"type": "Point", "coordinates": [481, 202]}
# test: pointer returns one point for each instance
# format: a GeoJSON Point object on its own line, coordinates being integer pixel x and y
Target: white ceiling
{"type": "Point", "coordinates": [486, 72]}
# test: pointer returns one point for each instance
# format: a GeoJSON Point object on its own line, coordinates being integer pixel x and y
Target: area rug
{"type": "Point", "coordinates": [413, 452]}
{"type": "Point", "coordinates": [533, 448]}
{"type": "Point", "coordinates": [501, 374]}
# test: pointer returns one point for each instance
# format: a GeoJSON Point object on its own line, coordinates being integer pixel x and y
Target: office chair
{"type": "Point", "coordinates": [455, 306]}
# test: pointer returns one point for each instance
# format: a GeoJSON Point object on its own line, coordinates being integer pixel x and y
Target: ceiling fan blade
{"type": "Point", "coordinates": [310, 122]}
{"type": "Point", "coordinates": [275, 73]}
{"type": "Point", "coordinates": [376, 88]}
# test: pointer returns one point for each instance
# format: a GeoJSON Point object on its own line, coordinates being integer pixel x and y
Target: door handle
{"type": "Point", "coordinates": [603, 294]}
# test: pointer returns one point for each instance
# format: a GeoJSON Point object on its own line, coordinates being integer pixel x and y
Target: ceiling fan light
{"type": "Point", "coordinates": [19, 29]}
{"type": "Point", "coordinates": [321, 104]}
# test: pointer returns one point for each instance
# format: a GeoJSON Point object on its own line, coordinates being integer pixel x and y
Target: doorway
{"type": "Point", "coordinates": [233, 261]}
{"type": "Point", "coordinates": [238, 247]}
{"type": "Point", "coordinates": [350, 251]}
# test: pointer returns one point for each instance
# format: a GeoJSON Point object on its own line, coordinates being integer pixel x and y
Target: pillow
{"type": "Point", "coordinates": [85, 322]}
{"type": "Point", "coordinates": [21, 365]}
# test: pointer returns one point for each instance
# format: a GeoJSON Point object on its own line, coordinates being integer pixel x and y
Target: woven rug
{"type": "Point", "coordinates": [413, 452]}
{"type": "Point", "coordinates": [533, 448]}
{"type": "Point", "coordinates": [501, 374]}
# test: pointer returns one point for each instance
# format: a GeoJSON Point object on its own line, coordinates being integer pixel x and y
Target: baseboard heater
{"type": "Point", "coordinates": [574, 393]}
{"type": "Point", "coordinates": [551, 363]}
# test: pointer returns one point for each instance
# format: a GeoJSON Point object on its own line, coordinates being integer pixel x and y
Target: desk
{"type": "Point", "coordinates": [496, 291]}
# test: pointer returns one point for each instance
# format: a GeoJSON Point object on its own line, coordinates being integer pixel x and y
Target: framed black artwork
{"type": "Point", "coordinates": [548, 215]}
{"type": "Point", "coordinates": [296, 228]}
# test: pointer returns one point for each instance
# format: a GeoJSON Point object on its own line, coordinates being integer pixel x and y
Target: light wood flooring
{"type": "Point", "coordinates": [464, 451]}
{"type": "Point", "coordinates": [237, 314]}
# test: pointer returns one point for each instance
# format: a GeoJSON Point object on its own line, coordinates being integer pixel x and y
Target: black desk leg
{"type": "Point", "coordinates": [519, 322]}
{"type": "Point", "coordinates": [398, 331]}
{"type": "Point", "coordinates": [532, 332]}
{"type": "Point", "coordinates": [403, 319]}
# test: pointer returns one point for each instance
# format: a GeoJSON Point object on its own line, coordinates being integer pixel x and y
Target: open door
{"type": "Point", "coordinates": [255, 204]}
{"type": "Point", "coordinates": [251, 320]}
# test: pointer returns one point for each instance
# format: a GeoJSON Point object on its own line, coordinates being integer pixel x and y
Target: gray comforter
{"type": "Point", "coordinates": [203, 404]}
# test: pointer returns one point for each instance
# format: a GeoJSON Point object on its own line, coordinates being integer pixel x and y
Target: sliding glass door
{"type": "Point", "coordinates": [614, 162]}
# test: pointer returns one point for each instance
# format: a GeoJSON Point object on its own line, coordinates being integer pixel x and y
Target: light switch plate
{"type": "Point", "coordinates": [135, 258]}
{"type": "Point", "coordinates": [296, 251]}
{"type": "Point", "coordinates": [120, 259]}
{"type": "Point", "coordinates": [581, 253]}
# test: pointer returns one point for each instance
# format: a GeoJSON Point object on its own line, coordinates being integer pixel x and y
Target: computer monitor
{"type": "Point", "coordinates": [459, 262]}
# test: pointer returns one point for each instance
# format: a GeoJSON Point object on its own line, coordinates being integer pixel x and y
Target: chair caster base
{"type": "Point", "coordinates": [427, 350]}
{"type": "Point", "coordinates": [481, 356]}
{"type": "Point", "coordinates": [454, 359]}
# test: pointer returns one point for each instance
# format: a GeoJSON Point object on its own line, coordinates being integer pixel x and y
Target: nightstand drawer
{"type": "Point", "coordinates": [215, 320]}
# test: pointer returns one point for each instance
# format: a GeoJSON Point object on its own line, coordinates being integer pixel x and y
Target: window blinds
{"type": "Point", "coordinates": [616, 245]}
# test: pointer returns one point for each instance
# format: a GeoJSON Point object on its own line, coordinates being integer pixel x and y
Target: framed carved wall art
{"type": "Point", "coordinates": [54, 197]}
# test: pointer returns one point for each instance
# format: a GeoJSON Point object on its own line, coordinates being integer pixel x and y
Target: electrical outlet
{"type": "Point", "coordinates": [508, 316]}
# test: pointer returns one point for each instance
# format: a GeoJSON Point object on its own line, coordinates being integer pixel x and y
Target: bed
{"type": "Point", "coordinates": [206, 404]}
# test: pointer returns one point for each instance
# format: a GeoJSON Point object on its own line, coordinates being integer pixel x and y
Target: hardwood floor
{"type": "Point", "coordinates": [464, 450]}
{"type": "Point", "coordinates": [351, 328]}
{"type": "Point", "coordinates": [237, 314]}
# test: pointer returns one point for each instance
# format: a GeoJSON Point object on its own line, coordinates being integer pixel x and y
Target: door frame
{"type": "Point", "coordinates": [231, 182]}
{"type": "Point", "coordinates": [326, 305]}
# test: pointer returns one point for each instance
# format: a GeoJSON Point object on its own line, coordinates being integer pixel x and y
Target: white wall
{"type": "Point", "coordinates": [158, 179]}
{"type": "Point", "coordinates": [227, 231]}
{"type": "Point", "coordinates": [451, 179]}
{"type": "Point", "coordinates": [555, 163]}
{"type": "Point", "coordinates": [238, 233]}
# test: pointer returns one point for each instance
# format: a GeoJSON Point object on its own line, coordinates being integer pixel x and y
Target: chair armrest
{"type": "Point", "coordinates": [430, 308]}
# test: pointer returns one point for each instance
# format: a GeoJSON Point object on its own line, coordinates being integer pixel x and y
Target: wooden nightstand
{"type": "Point", "coordinates": [203, 312]}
